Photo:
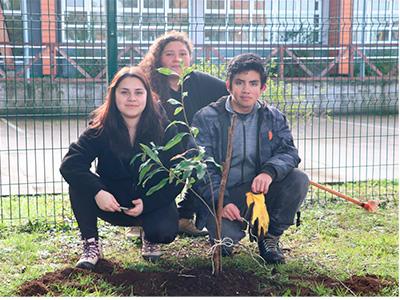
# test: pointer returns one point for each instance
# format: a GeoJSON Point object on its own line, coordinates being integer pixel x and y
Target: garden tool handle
{"type": "Point", "coordinates": [343, 196]}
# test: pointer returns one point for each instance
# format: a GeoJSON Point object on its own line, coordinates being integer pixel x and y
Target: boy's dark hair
{"type": "Point", "coordinates": [246, 62]}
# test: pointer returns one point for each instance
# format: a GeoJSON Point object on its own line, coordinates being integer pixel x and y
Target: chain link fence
{"type": "Point", "coordinates": [333, 68]}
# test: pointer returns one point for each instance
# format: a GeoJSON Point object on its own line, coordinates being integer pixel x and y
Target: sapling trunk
{"type": "Point", "coordinates": [225, 171]}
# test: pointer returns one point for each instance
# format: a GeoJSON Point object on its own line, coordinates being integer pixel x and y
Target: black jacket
{"type": "Point", "coordinates": [202, 89]}
{"type": "Point", "coordinates": [114, 174]}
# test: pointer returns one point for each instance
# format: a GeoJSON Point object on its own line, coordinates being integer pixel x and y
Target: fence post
{"type": "Point", "coordinates": [112, 46]}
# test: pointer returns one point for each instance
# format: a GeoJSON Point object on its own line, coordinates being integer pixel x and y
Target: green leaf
{"type": "Point", "coordinates": [143, 171]}
{"type": "Point", "coordinates": [211, 160]}
{"type": "Point", "coordinates": [171, 176]}
{"type": "Point", "coordinates": [176, 122]}
{"type": "Point", "coordinates": [178, 110]}
{"type": "Point", "coordinates": [184, 94]}
{"type": "Point", "coordinates": [201, 170]}
{"type": "Point", "coordinates": [194, 130]}
{"type": "Point", "coordinates": [157, 187]}
{"type": "Point", "coordinates": [150, 153]}
{"type": "Point", "coordinates": [151, 174]}
{"type": "Point", "coordinates": [175, 140]}
{"type": "Point", "coordinates": [135, 158]}
{"type": "Point", "coordinates": [174, 101]}
{"type": "Point", "coordinates": [187, 173]}
{"type": "Point", "coordinates": [165, 71]}
{"type": "Point", "coordinates": [144, 164]}
{"type": "Point", "coordinates": [188, 70]}
{"type": "Point", "coordinates": [201, 149]}
{"type": "Point", "coordinates": [191, 182]}
{"type": "Point", "coordinates": [183, 165]}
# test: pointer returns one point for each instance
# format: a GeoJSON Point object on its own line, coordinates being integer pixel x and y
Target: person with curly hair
{"type": "Point", "coordinates": [174, 50]}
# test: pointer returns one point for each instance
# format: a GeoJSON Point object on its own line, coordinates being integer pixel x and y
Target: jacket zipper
{"type": "Point", "coordinates": [244, 150]}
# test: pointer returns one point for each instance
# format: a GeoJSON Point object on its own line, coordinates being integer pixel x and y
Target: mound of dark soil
{"type": "Point", "coordinates": [368, 285]}
{"type": "Point", "coordinates": [195, 282]}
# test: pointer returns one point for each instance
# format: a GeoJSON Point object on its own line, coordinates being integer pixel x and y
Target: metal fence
{"type": "Point", "coordinates": [333, 68]}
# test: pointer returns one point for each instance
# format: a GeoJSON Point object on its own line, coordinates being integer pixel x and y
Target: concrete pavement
{"type": "Point", "coordinates": [335, 149]}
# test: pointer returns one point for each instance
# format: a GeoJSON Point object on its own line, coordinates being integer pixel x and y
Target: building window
{"type": "Point", "coordinates": [378, 22]}
{"type": "Point", "coordinates": [14, 25]}
{"type": "Point", "coordinates": [215, 5]}
{"type": "Point", "coordinates": [150, 34]}
{"type": "Point", "coordinates": [294, 21]}
{"type": "Point", "coordinates": [129, 34]}
{"type": "Point", "coordinates": [78, 18]}
{"type": "Point", "coordinates": [153, 19]}
{"type": "Point", "coordinates": [395, 31]}
{"type": "Point", "coordinates": [128, 4]}
{"type": "Point", "coordinates": [178, 4]}
{"type": "Point", "coordinates": [239, 5]}
{"type": "Point", "coordinates": [128, 19]}
{"type": "Point", "coordinates": [153, 4]}
{"type": "Point", "coordinates": [260, 35]}
{"type": "Point", "coordinates": [289, 21]}
{"type": "Point", "coordinates": [9, 5]}
{"type": "Point", "coordinates": [75, 3]}
{"type": "Point", "coordinates": [178, 18]}
{"type": "Point", "coordinates": [82, 21]}
{"type": "Point", "coordinates": [240, 35]}
{"type": "Point", "coordinates": [211, 19]}
{"type": "Point", "coordinates": [259, 19]}
{"type": "Point", "coordinates": [237, 19]}
{"type": "Point", "coordinates": [214, 35]}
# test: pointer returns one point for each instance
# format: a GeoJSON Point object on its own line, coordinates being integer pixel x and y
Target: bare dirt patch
{"type": "Point", "coordinates": [196, 282]}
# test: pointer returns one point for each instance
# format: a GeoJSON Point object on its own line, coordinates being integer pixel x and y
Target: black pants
{"type": "Point", "coordinates": [160, 225]}
{"type": "Point", "coordinates": [283, 200]}
{"type": "Point", "coordinates": [187, 206]}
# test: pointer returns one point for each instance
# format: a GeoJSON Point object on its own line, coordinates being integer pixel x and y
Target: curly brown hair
{"type": "Point", "coordinates": [152, 61]}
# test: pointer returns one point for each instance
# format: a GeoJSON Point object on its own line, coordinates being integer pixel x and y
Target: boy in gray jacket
{"type": "Point", "coordinates": [264, 158]}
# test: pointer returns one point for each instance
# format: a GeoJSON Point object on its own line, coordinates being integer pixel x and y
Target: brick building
{"type": "Point", "coordinates": [45, 29]}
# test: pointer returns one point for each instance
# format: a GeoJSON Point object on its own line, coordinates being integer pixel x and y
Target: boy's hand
{"type": "Point", "coordinates": [261, 183]}
{"type": "Point", "coordinates": [231, 212]}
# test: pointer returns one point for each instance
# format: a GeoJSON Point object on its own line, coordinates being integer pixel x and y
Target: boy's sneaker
{"type": "Point", "coordinates": [187, 227]}
{"type": "Point", "coordinates": [150, 251]}
{"type": "Point", "coordinates": [92, 252]}
{"type": "Point", "coordinates": [270, 251]}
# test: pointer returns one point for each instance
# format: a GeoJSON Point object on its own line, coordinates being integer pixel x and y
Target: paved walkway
{"type": "Point", "coordinates": [339, 149]}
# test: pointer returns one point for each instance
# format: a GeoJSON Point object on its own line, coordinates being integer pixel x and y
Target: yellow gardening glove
{"type": "Point", "coordinates": [259, 218]}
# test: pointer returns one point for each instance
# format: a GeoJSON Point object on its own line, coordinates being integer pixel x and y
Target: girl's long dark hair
{"type": "Point", "coordinates": [107, 118]}
{"type": "Point", "coordinates": [152, 61]}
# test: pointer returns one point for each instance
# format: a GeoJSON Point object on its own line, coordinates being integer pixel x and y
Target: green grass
{"type": "Point", "coordinates": [336, 239]}
{"type": "Point", "coordinates": [18, 210]}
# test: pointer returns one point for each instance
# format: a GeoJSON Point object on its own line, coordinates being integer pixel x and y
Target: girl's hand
{"type": "Point", "coordinates": [106, 201]}
{"type": "Point", "coordinates": [137, 210]}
